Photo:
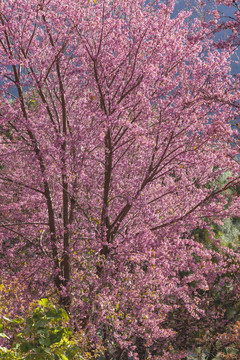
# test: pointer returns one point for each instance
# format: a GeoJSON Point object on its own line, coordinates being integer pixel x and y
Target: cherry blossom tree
{"type": "Point", "coordinates": [230, 22]}
{"type": "Point", "coordinates": [114, 129]}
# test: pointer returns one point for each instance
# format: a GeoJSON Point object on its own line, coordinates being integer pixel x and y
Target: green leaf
{"type": "Point", "coordinates": [41, 323]}
{"type": "Point", "coordinates": [45, 341]}
{"type": "Point", "coordinates": [64, 314]}
{"type": "Point", "coordinates": [64, 357]}
{"type": "Point", "coordinates": [4, 335]}
{"type": "Point", "coordinates": [53, 315]}
{"type": "Point", "coordinates": [37, 316]}
{"type": "Point", "coordinates": [29, 321]}
{"type": "Point", "coordinates": [56, 337]}
{"type": "Point", "coordinates": [30, 357]}
{"type": "Point", "coordinates": [25, 347]}
{"type": "Point", "coordinates": [14, 321]}
{"type": "Point", "coordinates": [9, 320]}
{"type": "Point", "coordinates": [44, 302]}
{"type": "Point", "coordinates": [4, 349]}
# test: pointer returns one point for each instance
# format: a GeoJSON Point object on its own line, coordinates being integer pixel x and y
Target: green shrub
{"type": "Point", "coordinates": [44, 335]}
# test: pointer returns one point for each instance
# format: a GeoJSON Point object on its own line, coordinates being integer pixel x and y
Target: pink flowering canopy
{"type": "Point", "coordinates": [114, 128]}
{"type": "Point", "coordinates": [232, 22]}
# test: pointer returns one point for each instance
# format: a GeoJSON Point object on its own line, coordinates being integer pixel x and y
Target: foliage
{"type": "Point", "coordinates": [230, 343]}
{"type": "Point", "coordinates": [45, 334]}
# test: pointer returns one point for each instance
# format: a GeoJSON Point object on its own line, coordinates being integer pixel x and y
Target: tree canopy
{"type": "Point", "coordinates": [115, 122]}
